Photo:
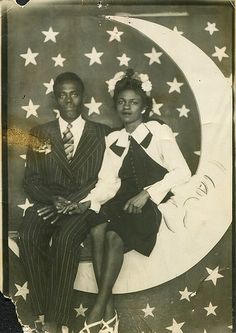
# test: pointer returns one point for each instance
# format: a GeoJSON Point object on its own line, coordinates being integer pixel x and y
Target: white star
{"type": "Point", "coordinates": [211, 28]}
{"type": "Point", "coordinates": [49, 86]}
{"type": "Point", "coordinates": [175, 29]}
{"type": "Point", "coordinates": [29, 57]}
{"type": "Point", "coordinates": [50, 35]}
{"type": "Point", "coordinates": [183, 112]}
{"type": "Point", "coordinates": [156, 107]}
{"type": "Point", "coordinates": [148, 311]}
{"type": "Point", "coordinates": [154, 56]}
{"type": "Point", "coordinates": [213, 275]}
{"type": "Point", "coordinates": [93, 106]}
{"type": "Point", "coordinates": [31, 109]}
{"type": "Point", "coordinates": [22, 290]}
{"type": "Point", "coordinates": [175, 328]}
{"type": "Point", "coordinates": [174, 86]}
{"type": "Point", "coordinates": [58, 60]}
{"type": "Point", "coordinates": [94, 56]}
{"type": "Point", "coordinates": [23, 156]}
{"type": "Point", "coordinates": [57, 113]}
{"type": "Point", "coordinates": [25, 206]}
{"type": "Point", "coordinates": [220, 53]}
{"type": "Point", "coordinates": [185, 294]}
{"type": "Point", "coordinates": [115, 34]}
{"type": "Point", "coordinates": [80, 311]}
{"type": "Point", "coordinates": [211, 309]}
{"type": "Point", "coordinates": [123, 60]}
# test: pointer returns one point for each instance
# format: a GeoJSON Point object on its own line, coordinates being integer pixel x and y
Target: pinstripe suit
{"type": "Point", "coordinates": [51, 270]}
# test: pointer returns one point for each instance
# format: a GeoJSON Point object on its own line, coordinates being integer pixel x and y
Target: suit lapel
{"type": "Point", "coordinates": [58, 151]}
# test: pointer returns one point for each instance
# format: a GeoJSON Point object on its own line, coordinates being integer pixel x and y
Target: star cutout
{"type": "Point", "coordinates": [153, 56]}
{"type": "Point", "coordinates": [156, 107]}
{"type": "Point", "coordinates": [148, 311]}
{"type": "Point", "coordinates": [58, 60]}
{"type": "Point", "coordinates": [93, 106]}
{"type": "Point", "coordinates": [174, 86]}
{"type": "Point", "coordinates": [123, 60]}
{"type": "Point", "coordinates": [49, 86]}
{"type": "Point", "coordinates": [50, 35]}
{"type": "Point", "coordinates": [176, 327]}
{"type": "Point", "coordinates": [22, 290]}
{"type": "Point", "coordinates": [94, 57]}
{"type": "Point", "coordinates": [115, 34]}
{"type": "Point", "coordinates": [25, 206]}
{"type": "Point", "coordinates": [211, 309]}
{"type": "Point", "coordinates": [211, 28]}
{"type": "Point", "coordinates": [185, 294]}
{"type": "Point", "coordinates": [57, 113]}
{"type": "Point", "coordinates": [220, 53]}
{"type": "Point", "coordinates": [213, 275]}
{"type": "Point", "coordinates": [29, 57]}
{"type": "Point", "coordinates": [175, 29]}
{"type": "Point", "coordinates": [183, 112]}
{"type": "Point", "coordinates": [31, 109]}
{"type": "Point", "coordinates": [80, 311]}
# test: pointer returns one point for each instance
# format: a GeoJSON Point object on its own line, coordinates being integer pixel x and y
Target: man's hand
{"type": "Point", "coordinates": [77, 208]}
{"type": "Point", "coordinates": [48, 212]}
{"type": "Point", "coordinates": [60, 203]}
{"type": "Point", "coordinates": [135, 204]}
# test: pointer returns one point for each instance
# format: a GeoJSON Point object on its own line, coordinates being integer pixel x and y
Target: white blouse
{"type": "Point", "coordinates": [162, 148]}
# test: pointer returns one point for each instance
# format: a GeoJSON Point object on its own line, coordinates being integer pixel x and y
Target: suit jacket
{"type": "Point", "coordinates": [48, 171]}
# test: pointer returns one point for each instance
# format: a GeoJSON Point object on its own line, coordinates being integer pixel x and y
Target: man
{"type": "Point", "coordinates": [63, 161]}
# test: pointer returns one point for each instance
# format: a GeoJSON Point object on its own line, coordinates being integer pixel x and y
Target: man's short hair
{"type": "Point", "coordinates": [68, 76]}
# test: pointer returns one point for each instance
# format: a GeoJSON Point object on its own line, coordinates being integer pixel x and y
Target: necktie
{"type": "Point", "coordinates": [68, 141]}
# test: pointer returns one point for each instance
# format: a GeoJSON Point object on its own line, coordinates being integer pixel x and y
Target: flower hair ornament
{"type": "Point", "coordinates": [146, 84]}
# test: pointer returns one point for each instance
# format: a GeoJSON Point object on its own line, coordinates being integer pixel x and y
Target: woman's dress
{"type": "Point", "coordinates": [138, 231]}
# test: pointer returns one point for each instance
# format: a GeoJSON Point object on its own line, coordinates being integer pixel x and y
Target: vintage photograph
{"type": "Point", "coordinates": [117, 124]}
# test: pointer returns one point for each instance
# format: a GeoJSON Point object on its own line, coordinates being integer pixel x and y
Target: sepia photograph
{"type": "Point", "coordinates": [117, 165]}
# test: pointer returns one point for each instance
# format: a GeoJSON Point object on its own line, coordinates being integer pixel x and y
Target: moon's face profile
{"type": "Point", "coordinates": [201, 231]}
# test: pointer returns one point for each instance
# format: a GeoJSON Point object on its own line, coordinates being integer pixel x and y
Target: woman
{"type": "Point", "coordinates": [141, 164]}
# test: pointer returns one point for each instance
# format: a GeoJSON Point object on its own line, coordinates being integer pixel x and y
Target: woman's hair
{"type": "Point", "coordinates": [129, 83]}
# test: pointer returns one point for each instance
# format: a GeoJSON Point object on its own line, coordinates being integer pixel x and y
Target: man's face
{"type": "Point", "coordinates": [69, 97]}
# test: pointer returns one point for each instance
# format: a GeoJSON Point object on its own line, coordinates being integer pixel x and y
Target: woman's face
{"type": "Point", "coordinates": [129, 106]}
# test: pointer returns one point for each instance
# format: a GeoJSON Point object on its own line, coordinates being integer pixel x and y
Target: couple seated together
{"type": "Point", "coordinates": [85, 179]}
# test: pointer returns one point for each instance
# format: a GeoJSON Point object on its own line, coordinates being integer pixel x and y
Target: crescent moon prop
{"type": "Point", "coordinates": [203, 212]}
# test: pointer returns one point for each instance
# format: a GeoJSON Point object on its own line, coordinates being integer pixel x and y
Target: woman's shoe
{"type": "Point", "coordinates": [86, 328]}
{"type": "Point", "coordinates": [110, 326]}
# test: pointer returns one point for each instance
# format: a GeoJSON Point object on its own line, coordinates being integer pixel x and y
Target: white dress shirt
{"type": "Point", "coordinates": [76, 129]}
{"type": "Point", "coordinates": [162, 148]}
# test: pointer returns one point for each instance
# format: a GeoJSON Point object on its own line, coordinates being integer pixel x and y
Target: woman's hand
{"type": "Point", "coordinates": [135, 204]}
{"type": "Point", "coordinates": [77, 208]}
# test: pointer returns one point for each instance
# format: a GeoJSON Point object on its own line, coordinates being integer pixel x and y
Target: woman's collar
{"type": "Point", "coordinates": [139, 134]}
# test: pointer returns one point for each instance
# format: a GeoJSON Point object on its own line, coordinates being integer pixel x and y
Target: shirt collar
{"type": "Point", "coordinates": [78, 122]}
{"type": "Point", "coordinates": [139, 134]}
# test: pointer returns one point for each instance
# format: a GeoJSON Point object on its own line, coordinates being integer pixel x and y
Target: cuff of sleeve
{"type": "Point", "coordinates": [155, 196]}
{"type": "Point", "coordinates": [95, 206]}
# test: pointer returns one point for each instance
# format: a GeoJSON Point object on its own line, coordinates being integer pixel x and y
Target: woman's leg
{"type": "Point", "coordinates": [98, 245]}
{"type": "Point", "coordinates": [112, 263]}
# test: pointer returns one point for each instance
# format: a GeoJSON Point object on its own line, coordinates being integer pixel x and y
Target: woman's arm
{"type": "Point", "coordinates": [174, 162]}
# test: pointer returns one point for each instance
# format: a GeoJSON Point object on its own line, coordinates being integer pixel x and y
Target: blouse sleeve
{"type": "Point", "coordinates": [174, 162]}
{"type": "Point", "coordinates": [108, 182]}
